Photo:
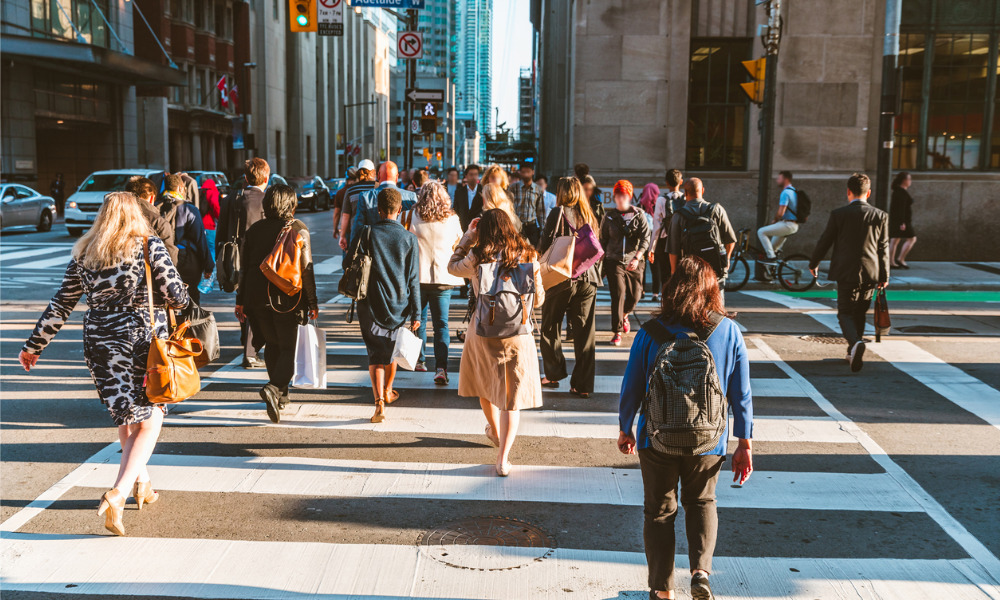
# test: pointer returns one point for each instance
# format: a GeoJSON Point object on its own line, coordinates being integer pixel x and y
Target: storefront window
{"type": "Point", "coordinates": [717, 107]}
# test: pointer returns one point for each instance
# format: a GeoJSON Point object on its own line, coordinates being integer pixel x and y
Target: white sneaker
{"type": "Point", "coordinates": [857, 356]}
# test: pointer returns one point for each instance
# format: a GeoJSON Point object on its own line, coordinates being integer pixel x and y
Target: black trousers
{"type": "Point", "coordinates": [531, 232]}
{"type": "Point", "coordinates": [661, 265]}
{"type": "Point", "coordinates": [853, 302]}
{"type": "Point", "coordinates": [660, 475]}
{"type": "Point", "coordinates": [575, 300]}
{"type": "Point", "coordinates": [626, 289]}
{"type": "Point", "coordinates": [278, 330]}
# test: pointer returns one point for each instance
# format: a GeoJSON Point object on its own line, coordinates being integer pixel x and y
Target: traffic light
{"type": "Point", "coordinates": [755, 88]}
{"type": "Point", "coordinates": [428, 124]}
{"type": "Point", "coordinates": [301, 16]}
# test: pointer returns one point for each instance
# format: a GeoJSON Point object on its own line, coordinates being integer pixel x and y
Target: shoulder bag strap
{"type": "Point", "coordinates": [149, 281]}
{"type": "Point", "coordinates": [659, 332]}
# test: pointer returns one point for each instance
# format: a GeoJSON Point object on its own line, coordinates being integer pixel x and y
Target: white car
{"type": "Point", "coordinates": [20, 205]}
{"type": "Point", "coordinates": [83, 205]}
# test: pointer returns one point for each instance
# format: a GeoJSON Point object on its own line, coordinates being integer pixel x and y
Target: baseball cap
{"type": "Point", "coordinates": [366, 164]}
{"type": "Point", "coordinates": [352, 172]}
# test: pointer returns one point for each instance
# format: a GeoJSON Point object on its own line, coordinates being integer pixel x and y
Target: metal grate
{"type": "Point", "coordinates": [513, 543]}
{"type": "Point", "coordinates": [824, 338]}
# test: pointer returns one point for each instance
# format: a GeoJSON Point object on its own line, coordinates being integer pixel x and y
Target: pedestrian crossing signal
{"type": "Point", "coordinates": [301, 16]}
{"type": "Point", "coordinates": [755, 89]}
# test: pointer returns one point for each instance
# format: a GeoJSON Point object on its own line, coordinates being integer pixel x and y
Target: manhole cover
{"type": "Point", "coordinates": [824, 339]}
{"type": "Point", "coordinates": [931, 329]}
{"type": "Point", "coordinates": [487, 544]}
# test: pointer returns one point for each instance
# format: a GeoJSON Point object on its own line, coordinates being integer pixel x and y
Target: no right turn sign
{"type": "Point", "coordinates": [410, 45]}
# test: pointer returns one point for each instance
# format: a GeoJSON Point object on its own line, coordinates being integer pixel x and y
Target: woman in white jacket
{"type": "Point", "coordinates": [438, 231]}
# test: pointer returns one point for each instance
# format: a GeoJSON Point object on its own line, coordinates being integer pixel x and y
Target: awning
{"type": "Point", "coordinates": [99, 62]}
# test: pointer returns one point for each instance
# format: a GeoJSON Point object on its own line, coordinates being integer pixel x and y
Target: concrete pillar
{"type": "Point", "coordinates": [212, 161]}
{"type": "Point", "coordinates": [195, 161]}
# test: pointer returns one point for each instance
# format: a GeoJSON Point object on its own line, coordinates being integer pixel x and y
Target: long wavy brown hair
{"type": "Point", "coordinates": [691, 294]}
{"type": "Point", "coordinates": [569, 193]}
{"type": "Point", "coordinates": [433, 203]}
{"type": "Point", "coordinates": [498, 238]}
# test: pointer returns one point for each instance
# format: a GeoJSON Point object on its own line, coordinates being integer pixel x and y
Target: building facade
{"type": "Point", "coordinates": [636, 88]}
{"type": "Point", "coordinates": [475, 38]}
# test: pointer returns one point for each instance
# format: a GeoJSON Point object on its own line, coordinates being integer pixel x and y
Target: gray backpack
{"type": "Point", "coordinates": [504, 300]}
{"type": "Point", "coordinates": [685, 406]}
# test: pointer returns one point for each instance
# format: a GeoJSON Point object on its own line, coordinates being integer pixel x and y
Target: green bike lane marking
{"type": "Point", "coordinates": [911, 295]}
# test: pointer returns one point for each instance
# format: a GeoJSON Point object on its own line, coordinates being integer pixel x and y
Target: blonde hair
{"type": "Point", "coordinates": [434, 203]}
{"type": "Point", "coordinates": [112, 238]}
{"type": "Point", "coordinates": [496, 169]}
{"type": "Point", "coordinates": [495, 196]}
{"type": "Point", "coordinates": [569, 193]}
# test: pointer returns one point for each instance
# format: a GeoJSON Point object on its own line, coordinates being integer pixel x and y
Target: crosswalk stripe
{"type": "Point", "coordinates": [210, 568]}
{"type": "Point", "coordinates": [5, 256]}
{"type": "Point", "coordinates": [59, 261]}
{"type": "Point", "coordinates": [534, 483]}
{"type": "Point", "coordinates": [470, 421]}
{"type": "Point", "coordinates": [328, 266]}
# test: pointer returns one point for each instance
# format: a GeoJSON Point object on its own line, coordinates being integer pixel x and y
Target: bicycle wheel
{"type": "Point", "coordinates": [794, 275]}
{"type": "Point", "coordinates": [739, 274]}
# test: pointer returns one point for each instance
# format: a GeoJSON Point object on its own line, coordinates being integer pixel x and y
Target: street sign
{"type": "Point", "coordinates": [415, 126]}
{"type": "Point", "coordinates": [415, 95]}
{"type": "Point", "coordinates": [330, 17]}
{"type": "Point", "coordinates": [390, 3]}
{"type": "Point", "coordinates": [410, 45]}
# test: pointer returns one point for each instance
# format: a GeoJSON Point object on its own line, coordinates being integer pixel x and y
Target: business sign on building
{"type": "Point", "coordinates": [389, 3]}
{"type": "Point", "coordinates": [330, 17]}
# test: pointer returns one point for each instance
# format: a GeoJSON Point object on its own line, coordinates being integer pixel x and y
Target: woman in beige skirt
{"type": "Point", "coordinates": [501, 372]}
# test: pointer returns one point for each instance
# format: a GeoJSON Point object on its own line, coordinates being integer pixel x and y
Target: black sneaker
{"type": "Point", "coordinates": [700, 590]}
{"type": "Point", "coordinates": [253, 363]}
{"type": "Point", "coordinates": [269, 394]}
{"type": "Point", "coordinates": [283, 401]}
{"type": "Point", "coordinates": [857, 356]}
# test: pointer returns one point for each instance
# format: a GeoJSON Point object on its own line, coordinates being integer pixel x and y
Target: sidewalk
{"type": "Point", "coordinates": [955, 276]}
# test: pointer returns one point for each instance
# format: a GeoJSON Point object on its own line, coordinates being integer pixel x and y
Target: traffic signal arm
{"type": "Point", "coordinates": [755, 89]}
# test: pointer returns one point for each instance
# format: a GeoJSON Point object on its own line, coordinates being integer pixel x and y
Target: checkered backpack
{"type": "Point", "coordinates": [685, 406]}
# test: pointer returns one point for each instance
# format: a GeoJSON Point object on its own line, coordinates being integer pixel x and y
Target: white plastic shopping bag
{"type": "Point", "coordinates": [310, 357]}
{"type": "Point", "coordinates": [407, 349]}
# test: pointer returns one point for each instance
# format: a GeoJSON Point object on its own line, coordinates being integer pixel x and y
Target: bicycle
{"type": "Point", "coordinates": [792, 272]}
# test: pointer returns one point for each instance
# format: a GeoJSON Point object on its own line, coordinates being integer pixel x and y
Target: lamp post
{"type": "Point", "coordinates": [889, 101]}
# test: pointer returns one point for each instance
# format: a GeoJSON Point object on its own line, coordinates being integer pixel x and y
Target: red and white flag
{"type": "Point", "coordinates": [234, 97]}
{"type": "Point", "coordinates": [223, 94]}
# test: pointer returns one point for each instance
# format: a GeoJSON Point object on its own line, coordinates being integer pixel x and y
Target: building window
{"type": "Point", "coordinates": [949, 95]}
{"type": "Point", "coordinates": [717, 106]}
{"type": "Point", "coordinates": [64, 19]}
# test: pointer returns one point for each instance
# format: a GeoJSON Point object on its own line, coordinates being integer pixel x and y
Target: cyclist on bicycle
{"type": "Point", "coordinates": [772, 237]}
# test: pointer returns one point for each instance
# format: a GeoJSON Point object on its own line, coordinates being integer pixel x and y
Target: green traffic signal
{"type": "Point", "coordinates": [302, 20]}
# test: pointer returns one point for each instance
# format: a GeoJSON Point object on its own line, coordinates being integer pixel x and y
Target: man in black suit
{"type": "Point", "coordinates": [469, 197]}
{"type": "Point", "coordinates": [859, 234]}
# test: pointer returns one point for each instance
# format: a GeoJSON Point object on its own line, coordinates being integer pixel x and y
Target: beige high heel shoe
{"type": "Point", "coordinates": [112, 506]}
{"type": "Point", "coordinates": [143, 493]}
{"type": "Point", "coordinates": [379, 415]}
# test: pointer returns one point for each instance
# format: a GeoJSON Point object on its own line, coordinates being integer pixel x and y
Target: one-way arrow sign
{"type": "Point", "coordinates": [415, 95]}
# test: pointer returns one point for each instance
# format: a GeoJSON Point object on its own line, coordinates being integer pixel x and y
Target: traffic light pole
{"type": "Point", "coordinates": [411, 83]}
{"type": "Point", "coordinates": [890, 52]}
{"type": "Point", "coordinates": [771, 41]}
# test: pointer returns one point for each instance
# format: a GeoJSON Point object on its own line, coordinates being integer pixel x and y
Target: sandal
{"type": "Point", "coordinates": [391, 397]}
{"type": "Point", "coordinates": [580, 394]}
{"type": "Point", "coordinates": [379, 415]}
{"type": "Point", "coordinates": [492, 436]}
{"type": "Point", "coordinates": [549, 384]}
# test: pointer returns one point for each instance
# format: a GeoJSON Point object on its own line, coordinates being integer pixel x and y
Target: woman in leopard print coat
{"type": "Point", "coordinates": [108, 266]}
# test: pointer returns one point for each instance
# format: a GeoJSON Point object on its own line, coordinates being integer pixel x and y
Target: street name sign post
{"type": "Point", "coordinates": [330, 17]}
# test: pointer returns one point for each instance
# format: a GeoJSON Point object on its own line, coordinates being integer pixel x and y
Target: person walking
{"type": "Point", "coordinates": [191, 194]}
{"type": "Point", "coordinates": [451, 182]}
{"type": "Point", "coordinates": [669, 202]}
{"type": "Point", "coordinates": [501, 371]}
{"type": "Point", "coordinates": [785, 224]}
{"type": "Point", "coordinates": [690, 234]}
{"type": "Point", "coordinates": [109, 266]}
{"type": "Point", "coordinates": [468, 199]}
{"type": "Point", "coordinates": [542, 181]}
{"type": "Point", "coordinates": [859, 236]}
{"type": "Point", "coordinates": [338, 199]}
{"type": "Point", "coordinates": [210, 211]}
{"type": "Point", "coordinates": [438, 232]}
{"type": "Point", "coordinates": [144, 191]}
{"type": "Point", "coordinates": [529, 203]}
{"type": "Point", "coordinates": [194, 259]}
{"type": "Point", "coordinates": [625, 237]}
{"type": "Point", "coordinates": [494, 196]}
{"type": "Point", "coordinates": [239, 211]}
{"type": "Point", "coordinates": [57, 189]}
{"type": "Point", "coordinates": [573, 299]}
{"type": "Point", "coordinates": [393, 294]}
{"type": "Point", "coordinates": [366, 210]}
{"type": "Point", "coordinates": [691, 303]}
{"type": "Point", "coordinates": [647, 200]}
{"type": "Point", "coordinates": [593, 195]}
{"type": "Point", "coordinates": [272, 315]}
{"type": "Point", "coordinates": [902, 236]}
{"type": "Point", "coordinates": [366, 182]}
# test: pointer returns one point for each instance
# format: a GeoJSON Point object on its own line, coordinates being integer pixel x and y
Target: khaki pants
{"type": "Point", "coordinates": [772, 237]}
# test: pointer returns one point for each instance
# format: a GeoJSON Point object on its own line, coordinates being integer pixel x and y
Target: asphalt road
{"type": "Point", "coordinates": [883, 484]}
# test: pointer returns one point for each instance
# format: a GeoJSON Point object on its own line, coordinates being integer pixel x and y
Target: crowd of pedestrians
{"type": "Point", "coordinates": [499, 243]}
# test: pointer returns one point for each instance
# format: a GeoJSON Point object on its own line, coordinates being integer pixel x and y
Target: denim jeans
{"type": "Point", "coordinates": [439, 299]}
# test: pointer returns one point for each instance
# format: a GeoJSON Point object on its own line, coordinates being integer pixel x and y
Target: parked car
{"type": "Point", "coordinates": [276, 179]}
{"type": "Point", "coordinates": [82, 205]}
{"type": "Point", "coordinates": [220, 179]}
{"type": "Point", "coordinates": [335, 183]}
{"type": "Point", "coordinates": [20, 205]}
{"type": "Point", "coordinates": [312, 192]}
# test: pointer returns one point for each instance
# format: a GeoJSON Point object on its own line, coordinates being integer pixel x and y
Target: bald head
{"type": "Point", "coordinates": [388, 171]}
{"type": "Point", "coordinates": [694, 188]}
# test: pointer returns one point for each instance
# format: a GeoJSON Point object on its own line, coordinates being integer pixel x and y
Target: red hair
{"type": "Point", "coordinates": [624, 186]}
{"type": "Point", "coordinates": [691, 294]}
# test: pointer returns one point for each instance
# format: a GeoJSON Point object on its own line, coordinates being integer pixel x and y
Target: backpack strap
{"type": "Point", "coordinates": [658, 331]}
{"type": "Point", "coordinates": [715, 319]}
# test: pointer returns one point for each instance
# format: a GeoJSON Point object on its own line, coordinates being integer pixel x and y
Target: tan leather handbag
{"type": "Point", "coordinates": [557, 262]}
{"type": "Point", "coordinates": [283, 266]}
{"type": "Point", "coordinates": [171, 373]}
